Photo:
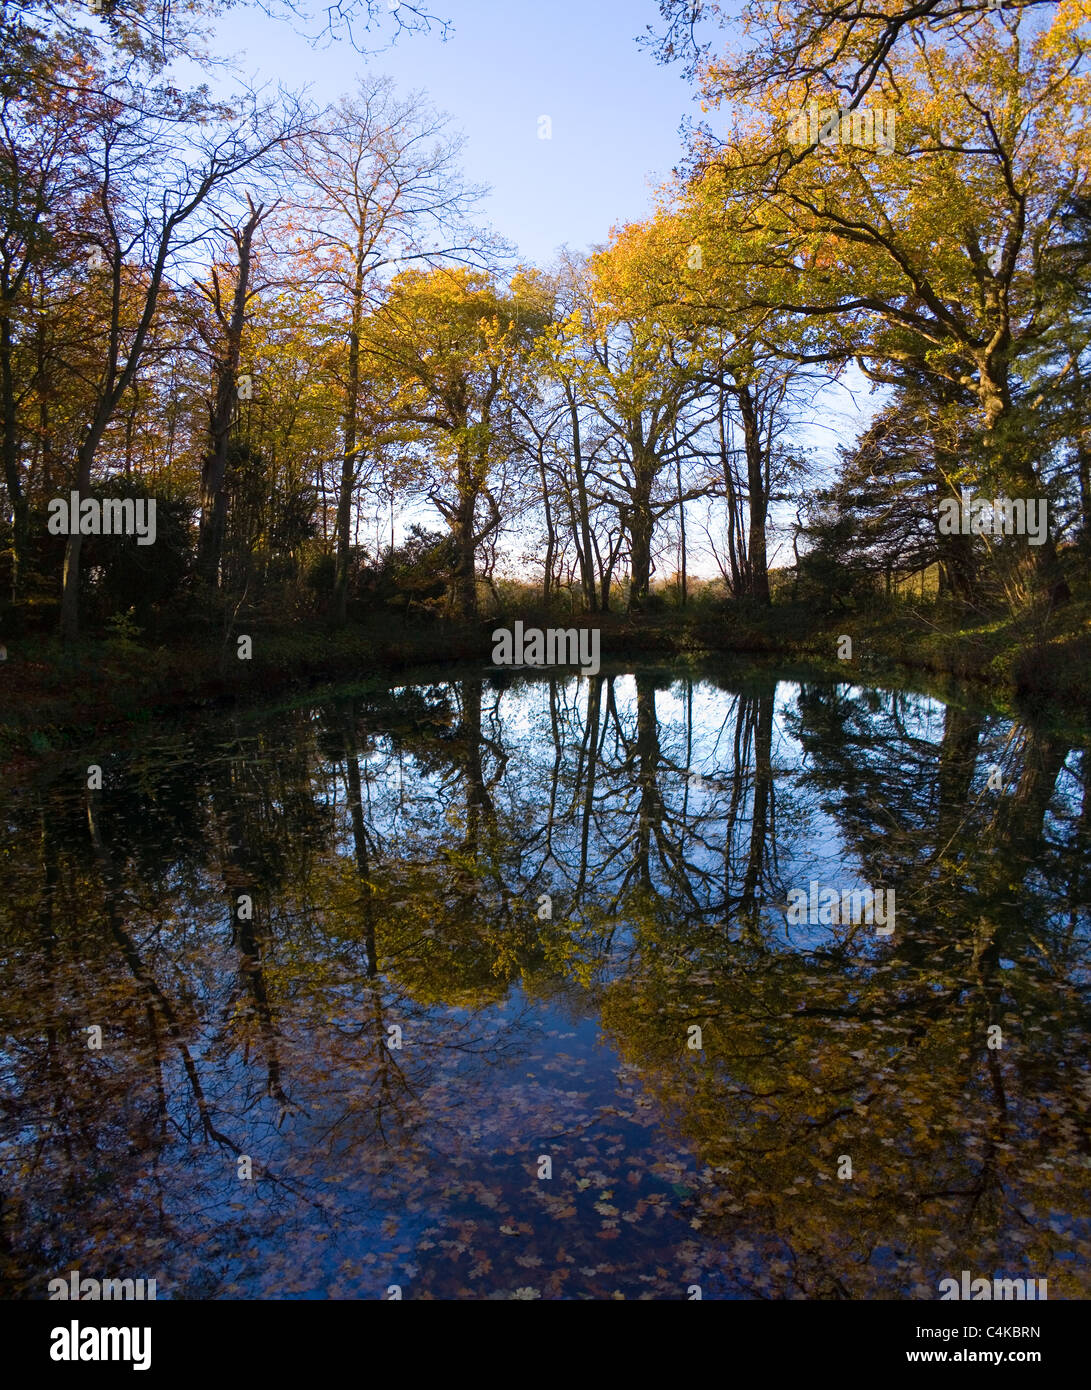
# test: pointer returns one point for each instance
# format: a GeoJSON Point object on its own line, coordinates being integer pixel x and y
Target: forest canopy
{"type": "Point", "coordinates": [291, 326]}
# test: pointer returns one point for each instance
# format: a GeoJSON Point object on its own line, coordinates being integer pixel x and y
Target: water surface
{"type": "Point", "coordinates": [546, 885]}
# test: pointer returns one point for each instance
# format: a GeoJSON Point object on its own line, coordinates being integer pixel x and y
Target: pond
{"type": "Point", "coordinates": [493, 986]}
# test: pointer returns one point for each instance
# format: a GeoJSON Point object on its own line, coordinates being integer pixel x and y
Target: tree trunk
{"type": "Point", "coordinates": [213, 475]}
{"type": "Point", "coordinates": [350, 458]}
{"type": "Point", "coordinates": [958, 568]}
{"type": "Point", "coordinates": [640, 539]}
{"type": "Point", "coordinates": [1083, 472]}
{"type": "Point", "coordinates": [70, 584]}
{"type": "Point", "coordinates": [10, 288]}
{"type": "Point", "coordinates": [682, 535]}
{"type": "Point", "coordinates": [731, 498]}
{"type": "Point", "coordinates": [12, 480]}
{"type": "Point", "coordinates": [587, 567]}
{"type": "Point", "coordinates": [551, 538]}
{"type": "Point", "coordinates": [1041, 562]}
{"type": "Point", "coordinates": [465, 578]}
{"type": "Point", "coordinates": [344, 537]}
{"type": "Point", "coordinates": [758, 585]}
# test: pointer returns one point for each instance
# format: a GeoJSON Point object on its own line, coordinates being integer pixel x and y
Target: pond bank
{"type": "Point", "coordinates": [49, 700]}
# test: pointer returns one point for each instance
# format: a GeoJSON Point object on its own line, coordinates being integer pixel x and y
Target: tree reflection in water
{"type": "Point", "coordinates": [395, 849]}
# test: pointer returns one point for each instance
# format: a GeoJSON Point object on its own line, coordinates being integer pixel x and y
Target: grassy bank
{"type": "Point", "coordinates": [50, 699]}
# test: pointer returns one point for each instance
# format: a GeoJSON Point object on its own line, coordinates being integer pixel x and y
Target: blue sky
{"type": "Point", "coordinates": [615, 112]}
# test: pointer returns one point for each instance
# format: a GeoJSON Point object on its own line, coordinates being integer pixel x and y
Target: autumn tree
{"type": "Point", "coordinates": [744, 386]}
{"type": "Point", "coordinates": [931, 254]}
{"type": "Point", "coordinates": [228, 303]}
{"type": "Point", "coordinates": [639, 380]}
{"type": "Point", "coordinates": [565, 439]}
{"type": "Point", "coordinates": [891, 482]}
{"type": "Point", "coordinates": [378, 188]}
{"type": "Point", "coordinates": [160, 165]}
{"type": "Point", "coordinates": [293, 350]}
{"type": "Point", "coordinates": [42, 179]}
{"type": "Point", "coordinates": [456, 346]}
{"type": "Point", "coordinates": [801, 41]}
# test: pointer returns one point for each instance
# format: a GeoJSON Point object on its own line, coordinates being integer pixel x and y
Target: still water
{"type": "Point", "coordinates": [492, 987]}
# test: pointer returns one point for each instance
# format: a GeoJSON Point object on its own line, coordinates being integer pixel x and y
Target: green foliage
{"type": "Point", "coordinates": [123, 630]}
{"type": "Point", "coordinates": [410, 576]}
{"type": "Point", "coordinates": [321, 574]}
{"type": "Point", "coordinates": [128, 578]}
{"type": "Point", "coordinates": [827, 576]}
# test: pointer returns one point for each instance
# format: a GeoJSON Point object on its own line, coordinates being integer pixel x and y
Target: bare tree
{"type": "Point", "coordinates": [161, 166]}
{"type": "Point", "coordinates": [229, 310]}
{"type": "Point", "coordinates": [377, 189]}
